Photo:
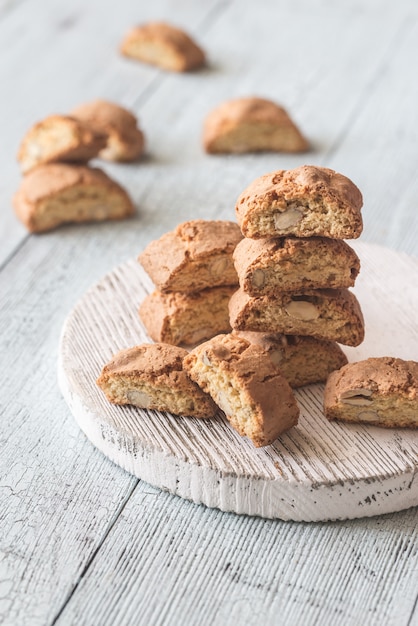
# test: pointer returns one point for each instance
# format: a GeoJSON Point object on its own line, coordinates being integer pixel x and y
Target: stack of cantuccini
{"type": "Point", "coordinates": [193, 271]}
{"type": "Point", "coordinates": [294, 270]}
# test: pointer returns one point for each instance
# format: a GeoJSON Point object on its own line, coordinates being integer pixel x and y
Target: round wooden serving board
{"type": "Point", "coordinates": [316, 471]}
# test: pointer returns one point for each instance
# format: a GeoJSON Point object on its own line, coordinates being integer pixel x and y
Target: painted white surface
{"type": "Point", "coordinates": [81, 541]}
{"type": "Point", "coordinates": [317, 471]}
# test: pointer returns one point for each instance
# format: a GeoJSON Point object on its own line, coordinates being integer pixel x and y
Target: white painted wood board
{"type": "Point", "coordinates": [316, 471]}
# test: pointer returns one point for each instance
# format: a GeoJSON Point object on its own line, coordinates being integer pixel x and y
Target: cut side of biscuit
{"type": "Point", "coordinates": [246, 385]}
{"type": "Point", "coordinates": [302, 360]}
{"type": "Point", "coordinates": [58, 193]}
{"type": "Point", "coordinates": [266, 267]}
{"type": "Point", "coordinates": [303, 202]}
{"type": "Point", "coordinates": [379, 391]}
{"type": "Point", "coordinates": [180, 318]}
{"type": "Point", "coordinates": [195, 256]}
{"type": "Point", "coordinates": [124, 140]}
{"type": "Point", "coordinates": [151, 376]}
{"type": "Point", "coordinates": [251, 125]}
{"type": "Point", "coordinates": [59, 138]}
{"type": "Point", "coordinates": [163, 45]}
{"type": "Point", "coordinates": [332, 314]}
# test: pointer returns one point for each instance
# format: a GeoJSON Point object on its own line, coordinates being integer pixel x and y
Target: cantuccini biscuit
{"type": "Point", "coordinates": [302, 202]}
{"type": "Point", "coordinates": [251, 125]}
{"type": "Point", "coordinates": [378, 391]}
{"type": "Point", "coordinates": [163, 45]}
{"type": "Point", "coordinates": [59, 138]}
{"type": "Point", "coordinates": [186, 318]}
{"type": "Point", "coordinates": [196, 255]}
{"type": "Point", "coordinates": [266, 267]}
{"type": "Point", "coordinates": [246, 385]}
{"type": "Point", "coordinates": [302, 360]}
{"type": "Point", "coordinates": [124, 140]}
{"type": "Point", "coordinates": [58, 193]}
{"type": "Point", "coordinates": [332, 314]}
{"type": "Point", "coordinates": [151, 376]}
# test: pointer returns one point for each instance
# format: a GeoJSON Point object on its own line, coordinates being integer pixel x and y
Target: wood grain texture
{"type": "Point", "coordinates": [168, 561]}
{"type": "Point", "coordinates": [352, 88]}
{"type": "Point", "coordinates": [316, 471]}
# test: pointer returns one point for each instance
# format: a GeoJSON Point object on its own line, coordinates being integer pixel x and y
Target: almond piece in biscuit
{"type": "Point", "coordinates": [186, 318]}
{"type": "Point", "coordinates": [302, 202]}
{"type": "Point", "coordinates": [195, 256]}
{"type": "Point", "coordinates": [58, 193]}
{"type": "Point", "coordinates": [246, 385]}
{"type": "Point", "coordinates": [302, 360]}
{"type": "Point", "coordinates": [59, 138]}
{"type": "Point", "coordinates": [332, 314]}
{"type": "Point", "coordinates": [163, 45]}
{"type": "Point", "coordinates": [266, 267]}
{"type": "Point", "coordinates": [251, 125]}
{"type": "Point", "coordinates": [379, 391]}
{"type": "Point", "coordinates": [125, 141]}
{"type": "Point", "coordinates": [151, 376]}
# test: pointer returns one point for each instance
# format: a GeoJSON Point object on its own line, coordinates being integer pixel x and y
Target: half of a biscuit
{"type": "Point", "coordinates": [381, 391]}
{"type": "Point", "coordinates": [195, 256]}
{"type": "Point", "coordinates": [266, 267]}
{"type": "Point", "coordinates": [302, 360]}
{"type": "Point", "coordinates": [302, 202]}
{"type": "Point", "coordinates": [251, 125]}
{"type": "Point", "coordinates": [151, 376]}
{"type": "Point", "coordinates": [163, 45]}
{"type": "Point", "coordinates": [59, 193]}
{"type": "Point", "coordinates": [246, 385]}
{"type": "Point", "coordinates": [59, 138]}
{"type": "Point", "coordinates": [124, 140]}
{"type": "Point", "coordinates": [186, 318]}
{"type": "Point", "coordinates": [332, 314]}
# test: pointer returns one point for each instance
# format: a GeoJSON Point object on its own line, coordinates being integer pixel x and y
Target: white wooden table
{"type": "Point", "coordinates": [82, 541]}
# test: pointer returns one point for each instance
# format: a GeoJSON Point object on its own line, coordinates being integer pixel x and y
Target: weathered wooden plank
{"type": "Point", "coordinates": [167, 561]}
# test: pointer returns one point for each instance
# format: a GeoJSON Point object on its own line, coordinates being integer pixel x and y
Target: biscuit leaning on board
{"type": "Point", "coordinates": [59, 138]}
{"type": "Point", "coordinates": [186, 318]}
{"type": "Point", "coordinates": [333, 314]}
{"type": "Point", "coordinates": [195, 255]}
{"type": "Point", "coordinates": [381, 391]}
{"type": "Point", "coordinates": [302, 202]}
{"type": "Point", "coordinates": [246, 385]}
{"type": "Point", "coordinates": [302, 360]}
{"type": "Point", "coordinates": [151, 376]}
{"type": "Point", "coordinates": [266, 267]}
{"type": "Point", "coordinates": [59, 193]}
{"type": "Point", "coordinates": [124, 140]}
{"type": "Point", "coordinates": [161, 44]}
{"type": "Point", "coordinates": [251, 125]}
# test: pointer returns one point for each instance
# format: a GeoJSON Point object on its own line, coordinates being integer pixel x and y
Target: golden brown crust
{"type": "Point", "coordinates": [265, 267]}
{"type": "Point", "coordinates": [332, 314]}
{"type": "Point", "coordinates": [151, 376]}
{"type": "Point", "coordinates": [251, 125]}
{"type": "Point", "coordinates": [161, 44]}
{"type": "Point", "coordinates": [379, 391]}
{"type": "Point", "coordinates": [244, 382]}
{"type": "Point", "coordinates": [195, 256]}
{"type": "Point", "coordinates": [302, 202]}
{"type": "Point", "coordinates": [181, 318]}
{"type": "Point", "coordinates": [58, 193]}
{"type": "Point", "coordinates": [59, 138]}
{"type": "Point", "coordinates": [302, 360]}
{"type": "Point", "coordinates": [125, 141]}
